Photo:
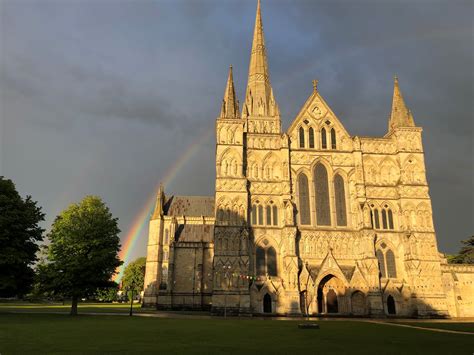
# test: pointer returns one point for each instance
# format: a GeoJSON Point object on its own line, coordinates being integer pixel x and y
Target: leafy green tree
{"type": "Point", "coordinates": [107, 294]}
{"type": "Point", "coordinates": [19, 236]}
{"type": "Point", "coordinates": [134, 276]}
{"type": "Point", "coordinates": [466, 254]}
{"type": "Point", "coordinates": [83, 253]}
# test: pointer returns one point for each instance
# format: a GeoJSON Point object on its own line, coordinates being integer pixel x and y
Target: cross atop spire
{"type": "Point", "coordinates": [401, 116]}
{"type": "Point", "coordinates": [230, 105]}
{"type": "Point", "coordinates": [259, 100]}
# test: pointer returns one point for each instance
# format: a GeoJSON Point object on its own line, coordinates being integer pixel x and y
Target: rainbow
{"type": "Point", "coordinates": [142, 218]}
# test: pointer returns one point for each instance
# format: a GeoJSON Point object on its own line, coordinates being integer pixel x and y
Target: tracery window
{"type": "Point", "coordinates": [266, 261]}
{"type": "Point", "coordinates": [311, 137]}
{"type": "Point", "coordinates": [321, 188]}
{"type": "Point", "coordinates": [303, 200]}
{"type": "Point", "coordinates": [324, 144]}
{"type": "Point", "coordinates": [340, 199]}
{"type": "Point", "coordinates": [301, 132]}
{"type": "Point", "coordinates": [387, 263]}
{"type": "Point", "coordinates": [387, 218]}
{"type": "Point", "coordinates": [333, 138]}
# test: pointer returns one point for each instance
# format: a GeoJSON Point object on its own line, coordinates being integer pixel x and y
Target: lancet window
{"type": "Point", "coordinates": [303, 200]}
{"type": "Point", "coordinates": [387, 263]}
{"type": "Point", "coordinates": [340, 199]}
{"type": "Point", "coordinates": [324, 143]}
{"type": "Point", "coordinates": [321, 188]}
{"type": "Point", "coordinates": [311, 137]}
{"type": "Point", "coordinates": [333, 138]}
{"type": "Point", "coordinates": [301, 136]}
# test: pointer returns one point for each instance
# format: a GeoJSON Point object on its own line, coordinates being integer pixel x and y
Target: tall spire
{"type": "Point", "coordinates": [401, 116]}
{"type": "Point", "coordinates": [230, 105]}
{"type": "Point", "coordinates": [259, 100]}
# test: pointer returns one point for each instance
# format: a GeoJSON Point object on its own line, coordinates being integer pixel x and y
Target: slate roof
{"type": "Point", "coordinates": [191, 206]}
{"type": "Point", "coordinates": [194, 233]}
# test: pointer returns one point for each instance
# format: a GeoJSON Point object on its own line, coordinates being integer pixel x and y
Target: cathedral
{"type": "Point", "coordinates": [311, 221]}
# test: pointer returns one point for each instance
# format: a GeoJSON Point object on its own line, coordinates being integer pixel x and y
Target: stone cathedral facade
{"type": "Point", "coordinates": [307, 221]}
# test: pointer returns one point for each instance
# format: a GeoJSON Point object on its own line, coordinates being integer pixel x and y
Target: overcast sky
{"type": "Point", "coordinates": [101, 97]}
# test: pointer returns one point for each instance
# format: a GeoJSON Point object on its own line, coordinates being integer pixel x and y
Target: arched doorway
{"type": "Point", "coordinates": [267, 303]}
{"type": "Point", "coordinates": [327, 295]}
{"type": "Point", "coordinates": [331, 302]}
{"type": "Point", "coordinates": [358, 304]}
{"type": "Point", "coordinates": [391, 308]}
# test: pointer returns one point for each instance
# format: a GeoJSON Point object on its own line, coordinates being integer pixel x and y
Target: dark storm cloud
{"type": "Point", "coordinates": [103, 97]}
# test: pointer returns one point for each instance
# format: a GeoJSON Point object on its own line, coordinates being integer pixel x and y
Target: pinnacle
{"type": "Point", "coordinates": [400, 116]}
{"type": "Point", "coordinates": [230, 105]}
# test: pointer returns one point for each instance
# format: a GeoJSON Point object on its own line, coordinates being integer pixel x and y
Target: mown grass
{"type": "Point", "coordinates": [458, 326]}
{"type": "Point", "coordinates": [60, 333]}
{"type": "Point", "coordinates": [84, 307]}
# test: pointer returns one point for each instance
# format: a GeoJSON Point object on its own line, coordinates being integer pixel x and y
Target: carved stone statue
{"type": "Point", "coordinates": [289, 213]}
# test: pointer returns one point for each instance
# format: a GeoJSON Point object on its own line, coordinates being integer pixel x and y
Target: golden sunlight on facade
{"type": "Point", "coordinates": [307, 221]}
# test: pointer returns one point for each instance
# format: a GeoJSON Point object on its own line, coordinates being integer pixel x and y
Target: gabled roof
{"type": "Point", "coordinates": [191, 206]}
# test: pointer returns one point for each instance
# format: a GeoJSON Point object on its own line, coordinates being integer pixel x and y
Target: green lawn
{"type": "Point", "coordinates": [59, 333]}
{"type": "Point", "coordinates": [463, 327]}
{"type": "Point", "coordinates": [65, 308]}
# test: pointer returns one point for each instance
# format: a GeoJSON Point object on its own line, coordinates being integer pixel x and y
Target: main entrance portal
{"type": "Point", "coordinates": [327, 295]}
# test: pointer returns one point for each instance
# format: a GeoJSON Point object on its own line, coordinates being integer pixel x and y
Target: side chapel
{"type": "Point", "coordinates": [307, 221]}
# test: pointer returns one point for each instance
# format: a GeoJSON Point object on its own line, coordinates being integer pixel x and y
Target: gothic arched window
{"type": "Point", "coordinates": [260, 215]}
{"type": "Point", "coordinates": [301, 132]}
{"type": "Point", "coordinates": [321, 188]}
{"type": "Point", "coordinates": [381, 261]}
{"type": "Point", "coordinates": [311, 137]}
{"type": "Point", "coordinates": [333, 138]}
{"type": "Point", "coordinates": [275, 215]}
{"type": "Point", "coordinates": [269, 215]}
{"type": "Point", "coordinates": [384, 219]}
{"type": "Point", "coordinates": [260, 260]}
{"type": "Point", "coordinates": [303, 199]}
{"type": "Point", "coordinates": [254, 214]}
{"type": "Point", "coordinates": [324, 144]}
{"type": "Point", "coordinates": [340, 197]}
{"type": "Point", "coordinates": [390, 219]}
{"type": "Point", "coordinates": [376, 222]}
{"type": "Point", "coordinates": [391, 267]}
{"type": "Point", "coordinates": [271, 262]}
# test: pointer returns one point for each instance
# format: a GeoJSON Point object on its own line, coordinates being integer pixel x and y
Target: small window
{"type": "Point", "coordinates": [333, 138]}
{"type": "Point", "coordinates": [384, 219]}
{"type": "Point", "coordinates": [275, 215]}
{"type": "Point", "coordinates": [311, 137]}
{"type": "Point", "coordinates": [166, 236]}
{"type": "Point", "coordinates": [269, 215]}
{"type": "Point", "coordinates": [260, 215]}
{"type": "Point", "coordinates": [376, 219]}
{"type": "Point", "coordinates": [390, 219]}
{"type": "Point", "coordinates": [324, 144]}
{"type": "Point", "coordinates": [301, 131]}
{"type": "Point", "coordinates": [254, 214]}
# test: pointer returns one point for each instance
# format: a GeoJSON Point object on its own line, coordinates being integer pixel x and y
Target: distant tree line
{"type": "Point", "coordinates": [77, 261]}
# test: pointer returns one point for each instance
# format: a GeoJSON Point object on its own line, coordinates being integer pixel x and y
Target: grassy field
{"type": "Point", "coordinates": [60, 333]}
{"type": "Point", "coordinates": [65, 308]}
{"type": "Point", "coordinates": [462, 327]}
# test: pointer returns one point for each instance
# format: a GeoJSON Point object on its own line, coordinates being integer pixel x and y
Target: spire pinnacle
{"type": "Point", "coordinates": [259, 98]}
{"type": "Point", "coordinates": [230, 105]}
{"type": "Point", "coordinates": [401, 116]}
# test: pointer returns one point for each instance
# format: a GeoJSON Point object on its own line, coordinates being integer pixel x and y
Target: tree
{"type": "Point", "coordinates": [83, 253]}
{"type": "Point", "coordinates": [134, 275]}
{"type": "Point", "coordinates": [19, 236]}
{"type": "Point", "coordinates": [466, 254]}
